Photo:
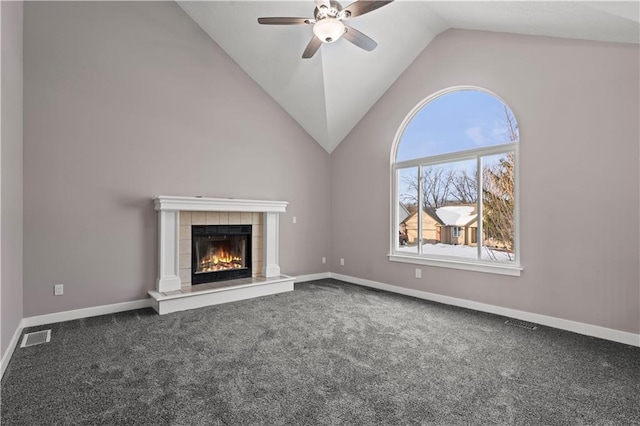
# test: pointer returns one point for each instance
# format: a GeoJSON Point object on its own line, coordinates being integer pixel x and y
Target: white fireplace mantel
{"type": "Point", "coordinates": [163, 202]}
{"type": "Point", "coordinates": [169, 208]}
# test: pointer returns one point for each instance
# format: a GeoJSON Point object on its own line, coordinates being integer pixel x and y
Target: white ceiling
{"type": "Point", "coordinates": [329, 93]}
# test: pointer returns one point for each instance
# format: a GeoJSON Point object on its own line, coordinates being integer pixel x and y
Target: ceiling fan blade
{"type": "Point", "coordinates": [364, 6]}
{"type": "Point", "coordinates": [324, 3]}
{"type": "Point", "coordinates": [359, 39]}
{"type": "Point", "coordinates": [312, 47]}
{"type": "Point", "coordinates": [285, 21]}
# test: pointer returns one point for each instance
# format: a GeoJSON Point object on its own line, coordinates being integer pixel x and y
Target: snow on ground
{"type": "Point", "coordinates": [457, 251]}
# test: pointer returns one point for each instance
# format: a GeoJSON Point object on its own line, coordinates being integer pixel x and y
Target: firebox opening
{"type": "Point", "coordinates": [220, 252]}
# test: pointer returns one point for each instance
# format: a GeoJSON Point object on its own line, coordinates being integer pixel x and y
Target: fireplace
{"type": "Point", "coordinates": [220, 252]}
{"type": "Point", "coordinates": [256, 222]}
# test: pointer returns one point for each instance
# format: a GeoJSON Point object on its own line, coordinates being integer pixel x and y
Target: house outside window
{"type": "Point", "coordinates": [455, 183]}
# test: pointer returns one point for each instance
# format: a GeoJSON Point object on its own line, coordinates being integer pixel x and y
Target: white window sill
{"type": "Point", "coordinates": [466, 265]}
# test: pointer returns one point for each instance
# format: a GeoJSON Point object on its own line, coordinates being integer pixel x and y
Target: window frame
{"type": "Point", "coordinates": [512, 268]}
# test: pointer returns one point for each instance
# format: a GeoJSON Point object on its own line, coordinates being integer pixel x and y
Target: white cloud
{"type": "Point", "coordinates": [476, 135]}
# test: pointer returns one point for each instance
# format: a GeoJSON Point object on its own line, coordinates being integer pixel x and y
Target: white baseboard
{"type": "Point", "coordinates": [85, 313]}
{"type": "Point", "coordinates": [562, 324]}
{"type": "Point", "coordinates": [312, 277]}
{"type": "Point", "coordinates": [6, 357]}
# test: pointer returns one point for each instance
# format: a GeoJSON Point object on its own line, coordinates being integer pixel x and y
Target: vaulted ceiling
{"type": "Point", "coordinates": [329, 93]}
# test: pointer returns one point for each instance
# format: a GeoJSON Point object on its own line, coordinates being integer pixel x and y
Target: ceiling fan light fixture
{"type": "Point", "coordinates": [329, 29]}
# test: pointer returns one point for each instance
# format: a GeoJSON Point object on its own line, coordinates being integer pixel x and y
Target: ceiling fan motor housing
{"type": "Point", "coordinates": [329, 12]}
{"type": "Point", "coordinates": [329, 26]}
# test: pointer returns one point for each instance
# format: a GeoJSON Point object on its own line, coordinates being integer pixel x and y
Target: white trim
{"type": "Point", "coordinates": [166, 202]}
{"type": "Point", "coordinates": [516, 207]}
{"type": "Point", "coordinates": [6, 357]}
{"type": "Point", "coordinates": [85, 313]}
{"type": "Point", "coordinates": [490, 268]}
{"type": "Point", "coordinates": [313, 277]}
{"type": "Point", "coordinates": [559, 323]}
{"type": "Point", "coordinates": [453, 157]}
{"type": "Point", "coordinates": [270, 244]}
{"type": "Point", "coordinates": [168, 250]}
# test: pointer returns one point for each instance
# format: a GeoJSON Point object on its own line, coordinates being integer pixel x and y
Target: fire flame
{"type": "Point", "coordinates": [220, 260]}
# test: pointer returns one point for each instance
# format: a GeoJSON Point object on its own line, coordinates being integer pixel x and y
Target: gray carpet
{"type": "Point", "coordinates": [326, 353]}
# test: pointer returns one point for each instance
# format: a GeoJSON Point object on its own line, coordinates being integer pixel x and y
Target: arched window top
{"type": "Point", "coordinates": [456, 120]}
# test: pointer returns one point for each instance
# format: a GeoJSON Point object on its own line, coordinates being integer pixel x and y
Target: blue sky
{"type": "Point", "coordinates": [456, 121]}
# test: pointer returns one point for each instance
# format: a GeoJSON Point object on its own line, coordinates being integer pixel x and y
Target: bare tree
{"type": "Point", "coordinates": [512, 125]}
{"type": "Point", "coordinates": [465, 187]}
{"type": "Point", "coordinates": [437, 187]}
{"type": "Point", "coordinates": [437, 183]}
{"type": "Point", "coordinates": [498, 202]}
{"type": "Point", "coordinates": [498, 193]}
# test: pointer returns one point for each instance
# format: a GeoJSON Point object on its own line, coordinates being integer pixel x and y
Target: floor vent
{"type": "Point", "coordinates": [35, 338]}
{"type": "Point", "coordinates": [522, 324]}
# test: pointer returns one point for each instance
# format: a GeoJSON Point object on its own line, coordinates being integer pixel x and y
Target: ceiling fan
{"type": "Point", "coordinates": [328, 23]}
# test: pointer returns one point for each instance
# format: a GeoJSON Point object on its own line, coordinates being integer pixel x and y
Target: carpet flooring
{"type": "Point", "coordinates": [327, 353]}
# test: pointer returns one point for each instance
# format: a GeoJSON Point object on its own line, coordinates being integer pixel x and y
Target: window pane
{"type": "Point", "coordinates": [498, 207]}
{"type": "Point", "coordinates": [407, 241]}
{"type": "Point", "coordinates": [457, 121]}
{"type": "Point", "coordinates": [449, 209]}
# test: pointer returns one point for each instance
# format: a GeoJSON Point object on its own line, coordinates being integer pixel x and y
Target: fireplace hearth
{"type": "Point", "coordinates": [220, 252]}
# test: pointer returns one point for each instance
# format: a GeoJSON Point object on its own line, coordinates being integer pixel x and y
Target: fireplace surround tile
{"type": "Point", "coordinates": [224, 218]}
{"type": "Point", "coordinates": [185, 246]}
{"type": "Point", "coordinates": [185, 277]}
{"type": "Point", "coordinates": [234, 218]}
{"type": "Point", "coordinates": [198, 218]}
{"type": "Point", "coordinates": [212, 218]}
{"type": "Point", "coordinates": [185, 261]}
{"type": "Point", "coordinates": [185, 218]}
{"type": "Point", "coordinates": [185, 232]}
{"type": "Point", "coordinates": [246, 218]}
{"type": "Point", "coordinates": [256, 242]}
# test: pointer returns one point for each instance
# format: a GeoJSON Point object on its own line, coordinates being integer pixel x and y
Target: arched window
{"type": "Point", "coordinates": [455, 183]}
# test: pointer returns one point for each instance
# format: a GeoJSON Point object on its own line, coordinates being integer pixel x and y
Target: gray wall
{"type": "Point", "coordinates": [577, 106]}
{"type": "Point", "coordinates": [11, 173]}
{"type": "Point", "coordinates": [124, 101]}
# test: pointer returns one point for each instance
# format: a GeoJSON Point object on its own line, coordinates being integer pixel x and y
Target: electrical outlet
{"type": "Point", "coordinates": [418, 273]}
{"type": "Point", "coordinates": [341, 261]}
{"type": "Point", "coordinates": [58, 290]}
{"type": "Point", "coordinates": [295, 219]}
{"type": "Point", "coordinates": [324, 260]}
